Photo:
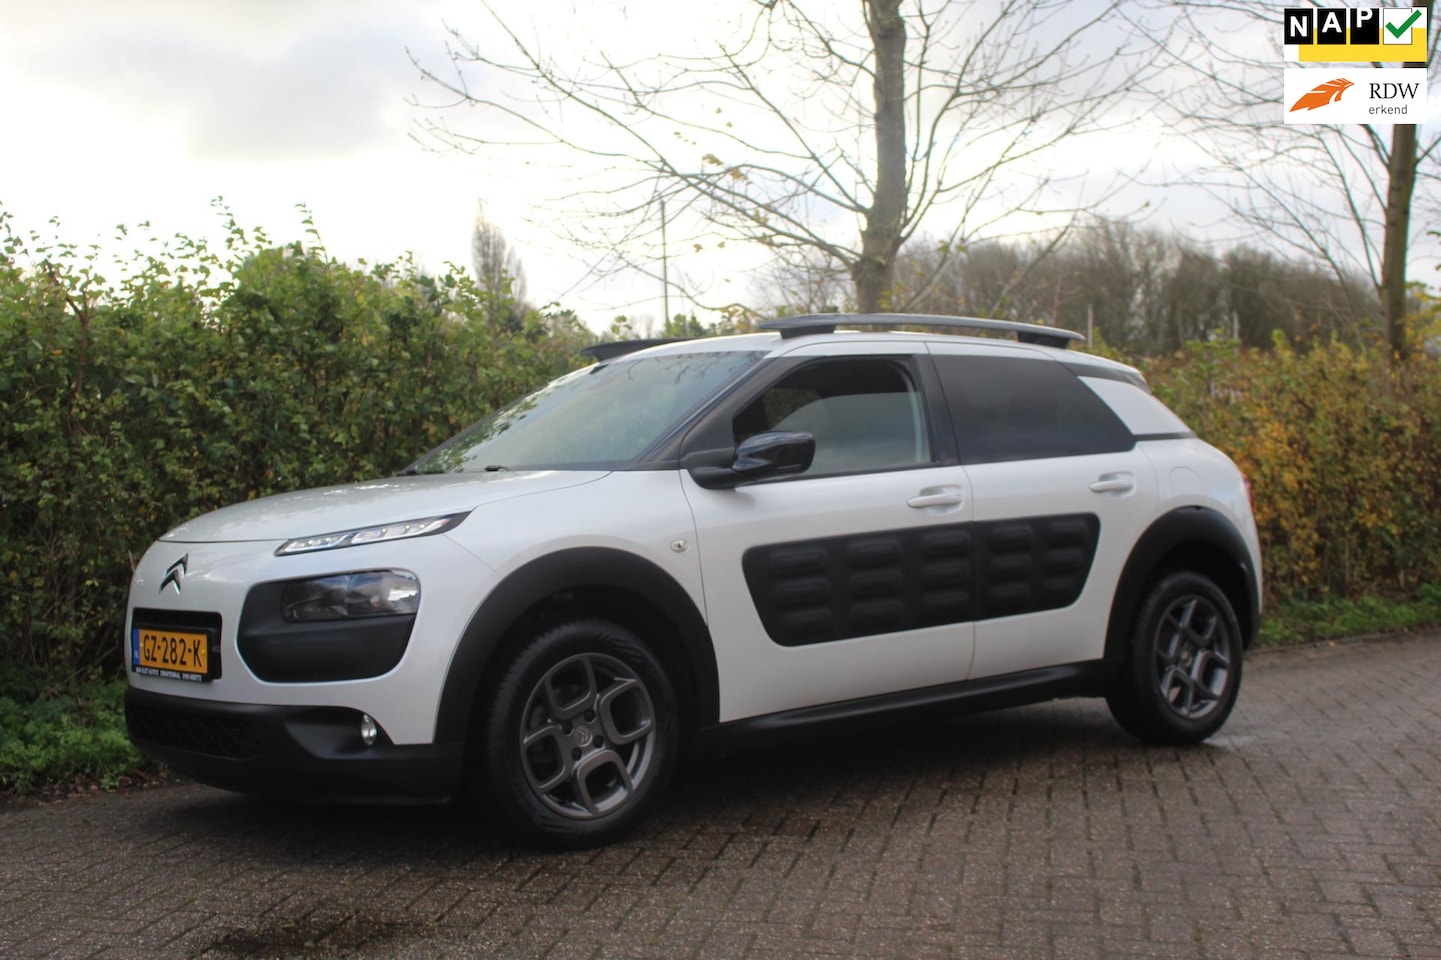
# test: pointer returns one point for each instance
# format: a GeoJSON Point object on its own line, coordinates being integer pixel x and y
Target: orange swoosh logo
{"type": "Point", "coordinates": [1322, 94]}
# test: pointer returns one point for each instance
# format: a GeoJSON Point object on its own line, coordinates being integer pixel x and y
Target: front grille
{"type": "Point", "coordinates": [231, 737]}
{"type": "Point", "coordinates": [204, 620]}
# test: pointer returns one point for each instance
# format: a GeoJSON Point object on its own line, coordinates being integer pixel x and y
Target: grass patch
{"type": "Point", "coordinates": [1298, 621]}
{"type": "Point", "coordinates": [62, 737]}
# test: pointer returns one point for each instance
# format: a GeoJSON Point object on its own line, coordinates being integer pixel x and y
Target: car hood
{"type": "Point", "coordinates": [306, 513]}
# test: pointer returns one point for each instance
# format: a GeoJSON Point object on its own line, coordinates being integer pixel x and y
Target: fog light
{"type": "Point", "coordinates": [368, 730]}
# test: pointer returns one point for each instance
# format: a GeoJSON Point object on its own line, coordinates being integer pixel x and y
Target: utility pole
{"type": "Point", "coordinates": [664, 269]}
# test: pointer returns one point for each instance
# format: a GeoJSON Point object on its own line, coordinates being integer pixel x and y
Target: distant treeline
{"type": "Point", "coordinates": [1142, 290]}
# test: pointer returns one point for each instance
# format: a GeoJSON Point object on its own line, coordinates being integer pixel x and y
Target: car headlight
{"type": "Point", "coordinates": [365, 593]}
{"type": "Point", "coordinates": [403, 530]}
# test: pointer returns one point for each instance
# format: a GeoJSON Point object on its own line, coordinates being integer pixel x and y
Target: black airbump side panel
{"type": "Point", "coordinates": [818, 591]}
{"type": "Point", "coordinates": [1038, 563]}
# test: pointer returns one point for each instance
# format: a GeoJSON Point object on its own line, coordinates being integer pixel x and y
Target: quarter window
{"type": "Point", "coordinates": [1011, 408]}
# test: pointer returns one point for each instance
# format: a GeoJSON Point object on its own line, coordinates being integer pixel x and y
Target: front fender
{"type": "Point", "coordinates": [580, 568]}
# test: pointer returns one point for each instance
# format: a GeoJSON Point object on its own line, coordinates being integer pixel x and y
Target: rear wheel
{"type": "Point", "coordinates": [580, 735]}
{"type": "Point", "coordinates": [1183, 669]}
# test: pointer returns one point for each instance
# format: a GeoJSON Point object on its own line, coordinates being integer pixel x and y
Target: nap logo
{"type": "Point", "coordinates": [1355, 95]}
{"type": "Point", "coordinates": [1355, 34]}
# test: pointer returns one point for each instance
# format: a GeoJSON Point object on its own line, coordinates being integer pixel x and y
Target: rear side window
{"type": "Point", "coordinates": [1012, 408]}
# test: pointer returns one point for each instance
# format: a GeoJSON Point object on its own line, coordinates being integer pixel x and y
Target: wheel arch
{"type": "Point", "coordinates": [1187, 538]}
{"type": "Point", "coordinates": [584, 582]}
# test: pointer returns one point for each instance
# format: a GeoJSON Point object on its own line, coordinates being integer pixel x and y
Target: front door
{"type": "Point", "coordinates": [851, 579]}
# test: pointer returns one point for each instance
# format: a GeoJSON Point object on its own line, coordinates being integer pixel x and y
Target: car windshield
{"type": "Point", "coordinates": [598, 417]}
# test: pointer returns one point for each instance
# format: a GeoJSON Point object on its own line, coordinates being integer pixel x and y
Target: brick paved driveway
{"type": "Point", "coordinates": [1310, 828]}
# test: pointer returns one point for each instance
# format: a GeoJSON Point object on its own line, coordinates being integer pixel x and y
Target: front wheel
{"type": "Point", "coordinates": [580, 735]}
{"type": "Point", "coordinates": [1183, 668]}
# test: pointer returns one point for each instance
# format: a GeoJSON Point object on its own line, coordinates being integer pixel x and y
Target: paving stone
{"type": "Point", "coordinates": [1309, 828]}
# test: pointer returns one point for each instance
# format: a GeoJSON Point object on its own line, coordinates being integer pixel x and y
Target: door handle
{"type": "Point", "coordinates": [1114, 483]}
{"type": "Point", "coordinates": [936, 497]}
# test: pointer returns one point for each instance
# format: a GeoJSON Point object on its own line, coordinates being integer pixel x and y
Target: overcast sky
{"type": "Point", "coordinates": [131, 110]}
{"type": "Point", "coordinates": [123, 111]}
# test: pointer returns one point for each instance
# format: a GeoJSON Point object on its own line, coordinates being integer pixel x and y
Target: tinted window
{"type": "Point", "coordinates": [865, 415]}
{"type": "Point", "coordinates": [1019, 409]}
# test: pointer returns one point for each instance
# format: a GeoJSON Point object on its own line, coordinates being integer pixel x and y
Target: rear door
{"type": "Point", "coordinates": [1059, 494]}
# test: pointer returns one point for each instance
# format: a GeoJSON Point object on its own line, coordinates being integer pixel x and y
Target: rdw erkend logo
{"type": "Point", "coordinates": [1354, 95]}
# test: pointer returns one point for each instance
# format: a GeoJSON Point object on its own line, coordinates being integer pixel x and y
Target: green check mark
{"type": "Point", "coordinates": [1397, 31]}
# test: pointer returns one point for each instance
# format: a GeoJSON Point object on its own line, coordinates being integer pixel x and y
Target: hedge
{"type": "Point", "coordinates": [1342, 445]}
{"type": "Point", "coordinates": [204, 378]}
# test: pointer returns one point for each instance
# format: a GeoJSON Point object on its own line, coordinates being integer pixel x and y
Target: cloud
{"type": "Point", "coordinates": [236, 82]}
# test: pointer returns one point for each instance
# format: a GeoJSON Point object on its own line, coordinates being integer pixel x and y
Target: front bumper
{"type": "Point", "coordinates": [300, 752]}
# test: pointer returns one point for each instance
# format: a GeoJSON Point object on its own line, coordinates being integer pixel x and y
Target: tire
{"type": "Point", "coordinates": [580, 735]}
{"type": "Point", "coordinates": [1183, 663]}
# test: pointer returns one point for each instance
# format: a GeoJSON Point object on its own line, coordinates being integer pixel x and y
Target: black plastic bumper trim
{"type": "Point", "coordinates": [289, 751]}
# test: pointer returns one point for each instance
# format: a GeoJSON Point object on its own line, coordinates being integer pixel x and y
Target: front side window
{"type": "Point", "coordinates": [599, 417]}
{"type": "Point", "coordinates": [1010, 408]}
{"type": "Point", "coordinates": [865, 414]}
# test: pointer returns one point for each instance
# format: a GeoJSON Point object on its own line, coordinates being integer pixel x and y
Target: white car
{"type": "Point", "coordinates": [691, 545]}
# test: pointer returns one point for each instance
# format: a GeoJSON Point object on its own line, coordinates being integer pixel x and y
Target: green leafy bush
{"type": "Point", "coordinates": [1298, 621]}
{"type": "Point", "coordinates": [1342, 446]}
{"type": "Point", "coordinates": [203, 379]}
{"type": "Point", "coordinates": [53, 736]}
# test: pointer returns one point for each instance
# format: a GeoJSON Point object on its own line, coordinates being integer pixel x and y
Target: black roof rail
{"type": "Point", "coordinates": [610, 349]}
{"type": "Point", "coordinates": [827, 322]}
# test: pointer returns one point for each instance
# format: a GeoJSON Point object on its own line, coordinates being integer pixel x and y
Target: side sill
{"type": "Point", "coordinates": [1091, 678]}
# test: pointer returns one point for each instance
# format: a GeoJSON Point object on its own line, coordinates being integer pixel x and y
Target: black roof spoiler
{"type": "Point", "coordinates": [812, 324]}
{"type": "Point", "coordinates": [610, 349]}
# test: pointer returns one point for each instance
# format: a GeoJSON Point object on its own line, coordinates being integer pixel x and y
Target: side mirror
{"type": "Point", "coordinates": [758, 457]}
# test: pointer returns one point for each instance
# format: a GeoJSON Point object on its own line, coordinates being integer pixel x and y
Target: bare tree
{"type": "Point", "coordinates": [809, 281]}
{"type": "Point", "coordinates": [496, 264]}
{"type": "Point", "coordinates": [814, 137]}
{"type": "Point", "coordinates": [1403, 166]}
{"type": "Point", "coordinates": [1340, 195]}
{"type": "Point", "coordinates": [991, 278]}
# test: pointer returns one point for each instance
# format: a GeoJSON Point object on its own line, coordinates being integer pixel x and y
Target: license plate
{"type": "Point", "coordinates": [178, 654]}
